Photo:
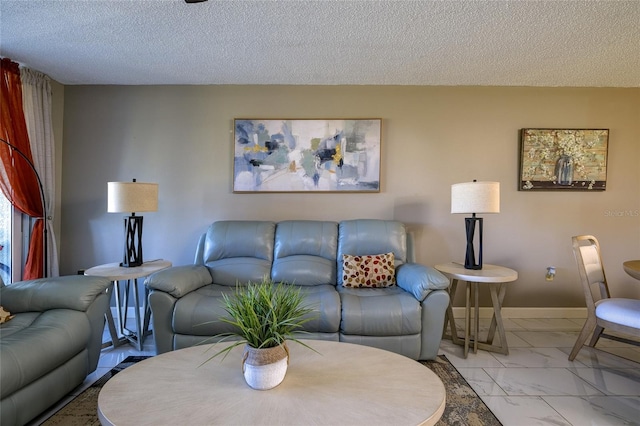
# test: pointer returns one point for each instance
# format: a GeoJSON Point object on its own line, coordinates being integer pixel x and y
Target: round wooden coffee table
{"type": "Point", "coordinates": [344, 384]}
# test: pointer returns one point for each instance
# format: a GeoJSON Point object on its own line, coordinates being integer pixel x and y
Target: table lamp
{"type": "Point", "coordinates": [474, 197]}
{"type": "Point", "coordinates": [125, 197]}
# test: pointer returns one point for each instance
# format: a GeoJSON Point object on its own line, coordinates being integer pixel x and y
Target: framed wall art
{"type": "Point", "coordinates": [563, 159]}
{"type": "Point", "coordinates": [294, 155]}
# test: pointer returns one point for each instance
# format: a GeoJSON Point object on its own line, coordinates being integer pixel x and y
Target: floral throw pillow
{"type": "Point", "coordinates": [376, 270]}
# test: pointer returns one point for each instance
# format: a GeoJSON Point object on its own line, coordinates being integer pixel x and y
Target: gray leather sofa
{"type": "Point", "coordinates": [51, 344]}
{"type": "Point", "coordinates": [407, 318]}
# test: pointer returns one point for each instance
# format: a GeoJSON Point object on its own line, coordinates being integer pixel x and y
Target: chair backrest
{"type": "Point", "coordinates": [586, 250]}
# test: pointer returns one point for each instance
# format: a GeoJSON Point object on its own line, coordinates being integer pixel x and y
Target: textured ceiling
{"type": "Point", "coordinates": [503, 43]}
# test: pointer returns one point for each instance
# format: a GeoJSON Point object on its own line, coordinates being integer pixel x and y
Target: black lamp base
{"type": "Point", "coordinates": [470, 257]}
{"type": "Point", "coordinates": [133, 241]}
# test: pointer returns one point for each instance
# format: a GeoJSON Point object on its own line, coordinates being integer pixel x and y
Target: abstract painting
{"type": "Point", "coordinates": [306, 155]}
{"type": "Point", "coordinates": [563, 159]}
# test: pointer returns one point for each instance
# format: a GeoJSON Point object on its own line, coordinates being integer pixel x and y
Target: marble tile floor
{"type": "Point", "coordinates": [535, 384]}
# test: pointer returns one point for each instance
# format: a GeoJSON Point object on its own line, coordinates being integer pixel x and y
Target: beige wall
{"type": "Point", "coordinates": [182, 137]}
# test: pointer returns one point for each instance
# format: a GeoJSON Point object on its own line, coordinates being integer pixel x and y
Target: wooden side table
{"type": "Point", "coordinates": [118, 273]}
{"type": "Point", "coordinates": [496, 277]}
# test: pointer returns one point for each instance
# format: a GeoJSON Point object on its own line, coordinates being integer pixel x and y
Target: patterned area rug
{"type": "Point", "coordinates": [464, 407]}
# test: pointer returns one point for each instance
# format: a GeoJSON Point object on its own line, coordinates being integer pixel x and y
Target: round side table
{"type": "Point", "coordinates": [632, 267]}
{"type": "Point", "coordinates": [496, 278]}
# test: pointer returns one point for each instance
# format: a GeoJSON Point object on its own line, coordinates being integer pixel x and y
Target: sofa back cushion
{"type": "Point", "coordinates": [370, 237]}
{"type": "Point", "coordinates": [305, 252]}
{"type": "Point", "coordinates": [238, 251]}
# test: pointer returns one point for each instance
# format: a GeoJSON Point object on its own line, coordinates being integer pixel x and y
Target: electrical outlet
{"type": "Point", "coordinates": [551, 273]}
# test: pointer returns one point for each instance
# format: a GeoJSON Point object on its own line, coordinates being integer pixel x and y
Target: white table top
{"type": "Point", "coordinates": [488, 273]}
{"type": "Point", "coordinates": [115, 272]}
{"type": "Point", "coordinates": [345, 384]}
{"type": "Point", "coordinates": [632, 267]}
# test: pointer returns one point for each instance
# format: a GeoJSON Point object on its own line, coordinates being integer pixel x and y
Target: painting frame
{"type": "Point", "coordinates": [563, 159]}
{"type": "Point", "coordinates": [303, 155]}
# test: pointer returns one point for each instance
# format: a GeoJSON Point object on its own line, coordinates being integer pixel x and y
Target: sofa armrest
{"type": "Point", "coordinates": [179, 280]}
{"type": "Point", "coordinates": [68, 292]}
{"type": "Point", "coordinates": [420, 280]}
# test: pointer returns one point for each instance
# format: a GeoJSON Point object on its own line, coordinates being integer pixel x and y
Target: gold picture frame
{"type": "Point", "coordinates": [306, 155]}
{"type": "Point", "coordinates": [563, 159]}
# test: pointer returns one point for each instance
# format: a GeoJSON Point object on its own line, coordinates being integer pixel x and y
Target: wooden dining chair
{"type": "Point", "coordinates": [619, 315]}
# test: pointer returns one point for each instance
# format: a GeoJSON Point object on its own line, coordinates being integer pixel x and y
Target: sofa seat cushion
{"type": "Point", "coordinates": [387, 311]}
{"type": "Point", "coordinates": [59, 334]}
{"type": "Point", "coordinates": [199, 312]}
{"type": "Point", "coordinates": [325, 301]}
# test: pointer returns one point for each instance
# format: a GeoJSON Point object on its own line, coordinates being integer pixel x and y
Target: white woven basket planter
{"type": "Point", "coordinates": [265, 368]}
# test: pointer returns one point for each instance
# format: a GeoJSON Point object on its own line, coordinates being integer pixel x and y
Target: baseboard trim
{"type": "Point", "coordinates": [487, 312]}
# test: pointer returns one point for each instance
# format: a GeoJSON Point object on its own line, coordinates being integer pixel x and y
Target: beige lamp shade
{"type": "Point", "coordinates": [125, 197]}
{"type": "Point", "coordinates": [475, 197]}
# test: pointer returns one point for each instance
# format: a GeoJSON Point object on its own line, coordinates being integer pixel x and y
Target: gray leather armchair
{"type": "Point", "coordinates": [51, 344]}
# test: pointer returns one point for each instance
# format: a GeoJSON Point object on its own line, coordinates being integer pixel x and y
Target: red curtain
{"type": "Point", "coordinates": [18, 180]}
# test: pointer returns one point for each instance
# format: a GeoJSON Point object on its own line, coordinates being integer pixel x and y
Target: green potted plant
{"type": "Point", "coordinates": [265, 315]}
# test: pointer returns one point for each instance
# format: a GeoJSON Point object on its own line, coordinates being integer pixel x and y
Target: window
{"type": "Point", "coordinates": [5, 239]}
{"type": "Point", "coordinates": [12, 223]}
